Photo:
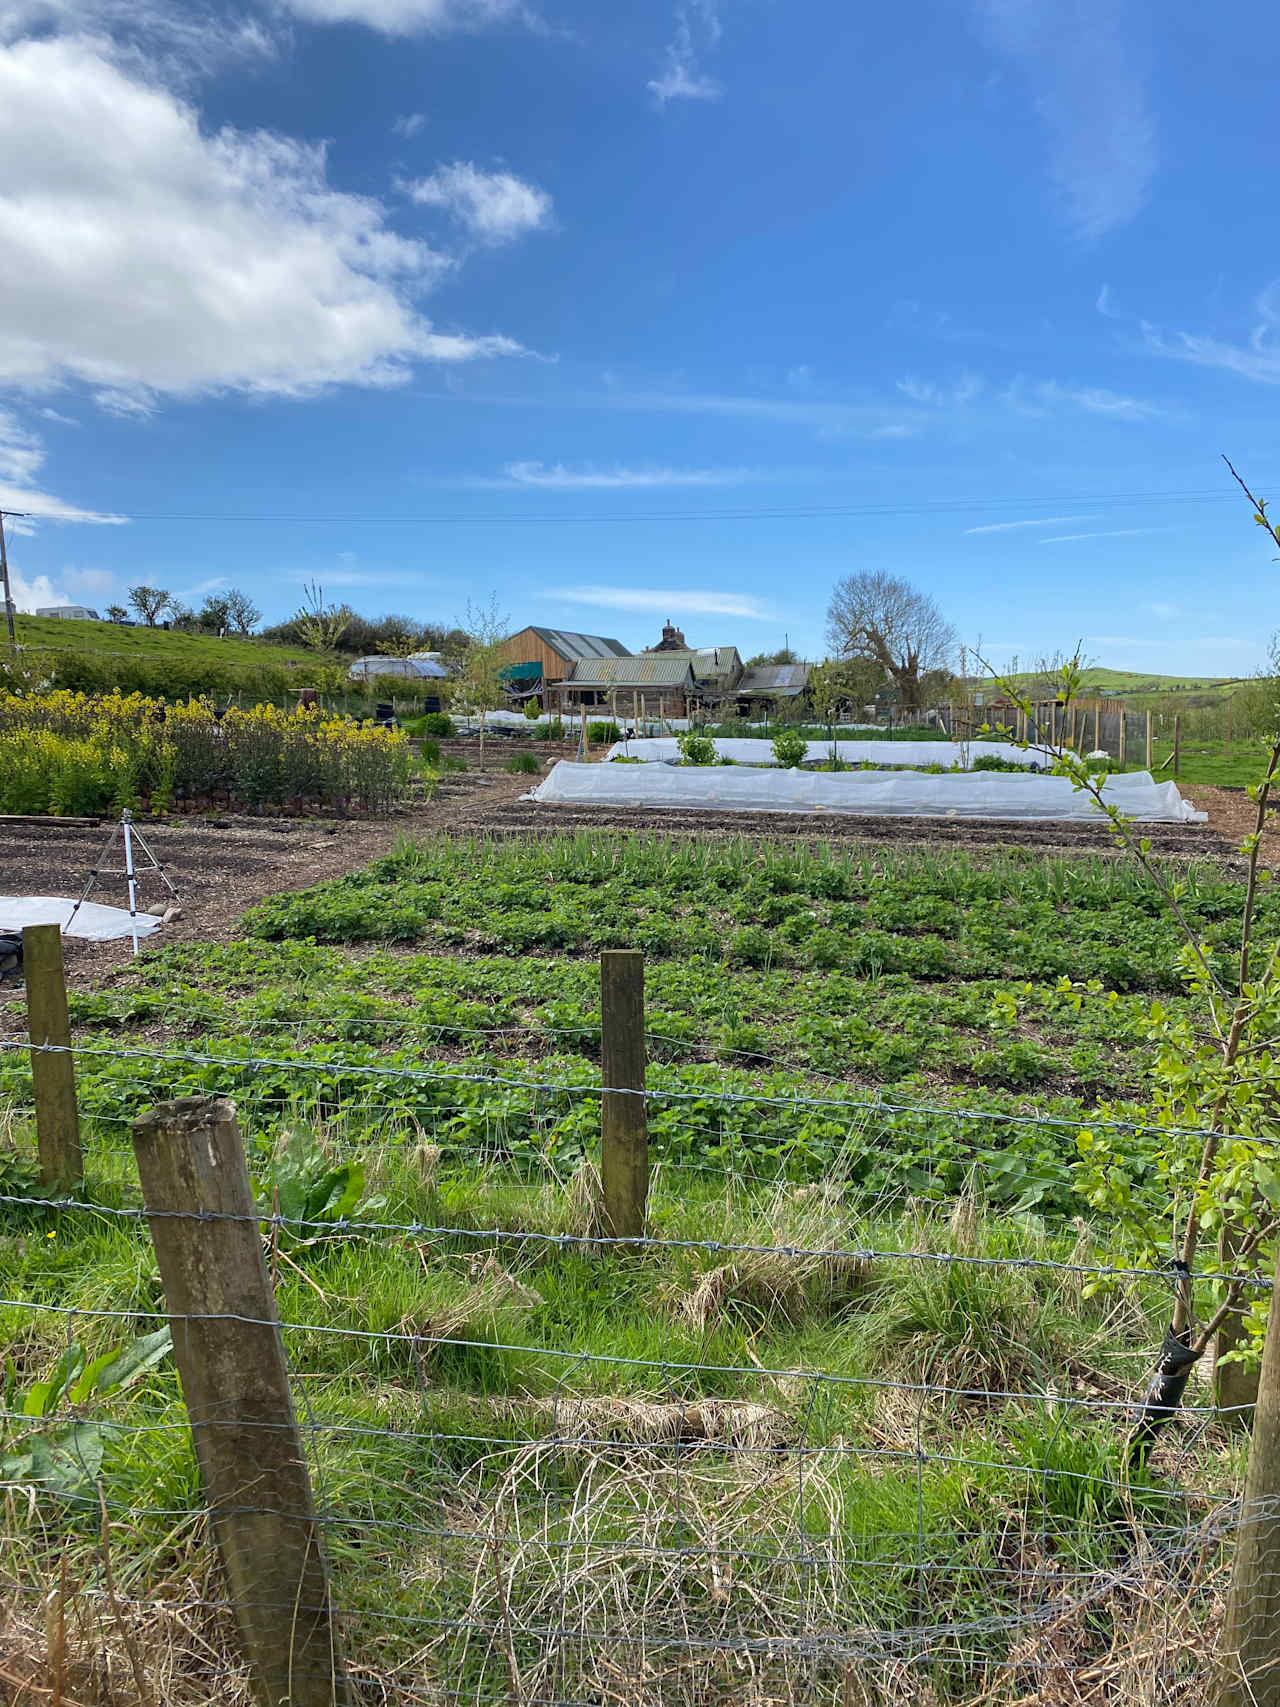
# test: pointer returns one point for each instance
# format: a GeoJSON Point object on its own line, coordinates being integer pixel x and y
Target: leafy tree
{"type": "Point", "coordinates": [761, 660]}
{"type": "Point", "coordinates": [215, 613]}
{"type": "Point", "coordinates": [887, 621]}
{"type": "Point", "coordinates": [244, 614]}
{"type": "Point", "coordinates": [182, 616]}
{"type": "Point", "coordinates": [149, 602]}
{"type": "Point", "coordinates": [117, 613]}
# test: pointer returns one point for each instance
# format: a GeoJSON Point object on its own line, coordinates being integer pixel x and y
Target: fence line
{"type": "Point", "coordinates": [672, 1506]}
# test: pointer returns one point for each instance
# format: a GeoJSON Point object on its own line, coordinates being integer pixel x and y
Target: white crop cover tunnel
{"type": "Point", "coordinates": [745, 750]}
{"type": "Point", "coordinates": [906, 794]}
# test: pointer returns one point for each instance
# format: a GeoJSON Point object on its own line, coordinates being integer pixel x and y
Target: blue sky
{"type": "Point", "coordinates": [649, 310]}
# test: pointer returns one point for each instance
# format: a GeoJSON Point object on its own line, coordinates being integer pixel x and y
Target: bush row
{"type": "Point", "coordinates": [79, 754]}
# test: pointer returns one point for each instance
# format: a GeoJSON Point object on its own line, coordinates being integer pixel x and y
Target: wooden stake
{"type": "Point", "coordinates": [1148, 740]}
{"type": "Point", "coordinates": [53, 1075]}
{"type": "Point", "coordinates": [1251, 1653]}
{"type": "Point", "coordinates": [624, 1126]}
{"type": "Point", "coordinates": [1124, 729]}
{"type": "Point", "coordinates": [1177, 741]}
{"type": "Point", "coordinates": [230, 1357]}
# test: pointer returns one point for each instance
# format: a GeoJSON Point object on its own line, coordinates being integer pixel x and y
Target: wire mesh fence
{"type": "Point", "coordinates": [851, 1419]}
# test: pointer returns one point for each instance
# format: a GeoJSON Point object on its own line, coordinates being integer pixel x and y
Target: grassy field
{"type": "Point", "coordinates": [115, 639]}
{"type": "Point", "coordinates": [854, 1408]}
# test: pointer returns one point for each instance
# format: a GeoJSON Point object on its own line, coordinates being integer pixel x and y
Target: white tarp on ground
{"type": "Point", "coordinates": [93, 922]}
{"type": "Point", "coordinates": [745, 751]}
{"type": "Point", "coordinates": [905, 794]}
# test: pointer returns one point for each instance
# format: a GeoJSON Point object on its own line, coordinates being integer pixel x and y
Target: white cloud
{"type": "Point", "coordinates": [30, 595]}
{"type": "Point", "coordinates": [22, 456]}
{"type": "Point", "coordinates": [412, 17]}
{"type": "Point", "coordinates": [1106, 533]}
{"type": "Point", "coordinates": [697, 601]}
{"type": "Point", "coordinates": [91, 583]}
{"type": "Point", "coordinates": [933, 395]}
{"type": "Point", "coordinates": [493, 206]}
{"type": "Point", "coordinates": [680, 78]}
{"type": "Point", "coordinates": [1165, 611]}
{"type": "Point", "coordinates": [144, 257]}
{"type": "Point", "coordinates": [409, 124]}
{"type": "Point", "coordinates": [1103, 303]}
{"type": "Point", "coordinates": [1037, 522]}
{"type": "Point", "coordinates": [1257, 359]}
{"type": "Point", "coordinates": [1041, 398]}
{"type": "Point", "coordinates": [555, 477]}
{"type": "Point", "coordinates": [1090, 98]}
{"type": "Point", "coordinates": [62, 420]}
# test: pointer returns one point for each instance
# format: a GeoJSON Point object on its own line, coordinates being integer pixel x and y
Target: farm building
{"type": "Point", "coordinates": [536, 660]}
{"type": "Point", "coordinates": [771, 685]}
{"type": "Point", "coordinates": [653, 685]}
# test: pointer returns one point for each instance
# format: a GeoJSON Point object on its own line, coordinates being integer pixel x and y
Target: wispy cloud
{"type": "Point", "coordinates": [408, 125]}
{"type": "Point", "coordinates": [1090, 96]}
{"type": "Point", "coordinates": [697, 29]}
{"type": "Point", "coordinates": [1257, 358]}
{"type": "Point", "coordinates": [695, 601]}
{"type": "Point", "coordinates": [22, 456]}
{"type": "Point", "coordinates": [555, 477]}
{"type": "Point", "coordinates": [1105, 533]}
{"type": "Point", "coordinates": [1103, 303]}
{"type": "Point", "coordinates": [1036, 522]}
{"type": "Point", "coordinates": [1042, 397]}
{"type": "Point", "coordinates": [1165, 612]}
{"type": "Point", "coordinates": [493, 206]}
{"type": "Point", "coordinates": [955, 393]}
{"type": "Point", "coordinates": [868, 420]}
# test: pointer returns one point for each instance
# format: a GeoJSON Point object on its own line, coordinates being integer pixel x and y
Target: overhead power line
{"type": "Point", "coordinates": [1095, 502]}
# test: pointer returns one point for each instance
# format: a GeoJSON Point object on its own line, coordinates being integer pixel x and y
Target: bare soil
{"type": "Point", "coordinates": [221, 866]}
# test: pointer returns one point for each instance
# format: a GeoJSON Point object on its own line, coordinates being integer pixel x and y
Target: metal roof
{"type": "Point", "coordinates": [651, 670]}
{"type": "Point", "coordinates": [782, 680]}
{"type": "Point", "coordinates": [568, 645]}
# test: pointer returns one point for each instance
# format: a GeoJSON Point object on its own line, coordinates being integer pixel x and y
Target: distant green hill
{"type": "Point", "coordinates": [97, 656]}
{"type": "Point", "coordinates": [1097, 680]}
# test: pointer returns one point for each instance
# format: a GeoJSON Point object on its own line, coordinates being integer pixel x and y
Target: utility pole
{"type": "Point", "coordinates": [4, 575]}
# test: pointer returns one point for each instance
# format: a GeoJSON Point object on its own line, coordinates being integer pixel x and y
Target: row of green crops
{"type": "Point", "coordinates": [933, 919]}
{"type": "Point", "coordinates": [73, 753]}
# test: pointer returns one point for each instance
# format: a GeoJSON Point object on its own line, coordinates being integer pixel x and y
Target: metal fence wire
{"type": "Point", "coordinates": [845, 1421]}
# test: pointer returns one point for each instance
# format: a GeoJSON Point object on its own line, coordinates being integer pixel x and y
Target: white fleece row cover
{"type": "Point", "coordinates": [744, 751]}
{"type": "Point", "coordinates": [897, 794]}
{"type": "Point", "coordinates": [93, 922]}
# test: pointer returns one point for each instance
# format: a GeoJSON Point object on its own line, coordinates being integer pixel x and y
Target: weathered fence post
{"type": "Point", "coordinates": [1177, 741]}
{"type": "Point", "coordinates": [624, 1126]}
{"type": "Point", "coordinates": [230, 1356]}
{"type": "Point", "coordinates": [1251, 1633]}
{"type": "Point", "coordinates": [53, 1072]}
{"type": "Point", "coordinates": [1148, 740]}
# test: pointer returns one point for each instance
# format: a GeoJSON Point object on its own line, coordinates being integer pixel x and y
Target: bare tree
{"type": "Point", "coordinates": [476, 688]}
{"type": "Point", "coordinates": [244, 614]}
{"type": "Point", "coordinates": [888, 621]}
{"type": "Point", "coordinates": [149, 602]}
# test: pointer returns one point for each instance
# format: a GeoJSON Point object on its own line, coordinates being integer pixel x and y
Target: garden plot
{"type": "Point", "coordinates": [984, 794]}
{"type": "Point", "coordinates": [746, 751]}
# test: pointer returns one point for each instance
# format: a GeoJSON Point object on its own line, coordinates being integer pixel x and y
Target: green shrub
{"type": "Point", "coordinates": [598, 732]}
{"type": "Point", "coordinates": [523, 764]}
{"type": "Point", "coordinates": [790, 749]}
{"type": "Point", "coordinates": [429, 753]}
{"type": "Point", "coordinates": [435, 723]}
{"type": "Point", "coordinates": [994, 762]}
{"type": "Point", "coordinates": [696, 749]}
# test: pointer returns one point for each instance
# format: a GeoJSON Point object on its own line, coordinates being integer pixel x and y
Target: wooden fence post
{"type": "Point", "coordinates": [53, 1075]}
{"type": "Point", "coordinates": [624, 1126]}
{"type": "Point", "coordinates": [1250, 1649]}
{"type": "Point", "coordinates": [1177, 741]}
{"type": "Point", "coordinates": [230, 1356]}
{"type": "Point", "coordinates": [1148, 740]}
